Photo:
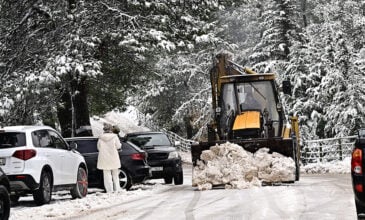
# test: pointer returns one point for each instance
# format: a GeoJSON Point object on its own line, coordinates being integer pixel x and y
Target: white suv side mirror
{"type": "Point", "coordinates": [73, 146]}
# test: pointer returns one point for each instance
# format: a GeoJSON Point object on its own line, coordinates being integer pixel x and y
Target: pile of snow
{"type": "Point", "coordinates": [334, 167]}
{"type": "Point", "coordinates": [230, 165]}
{"type": "Point", "coordinates": [127, 121]}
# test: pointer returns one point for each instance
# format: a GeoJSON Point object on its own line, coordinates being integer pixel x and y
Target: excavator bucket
{"type": "Point", "coordinates": [287, 147]}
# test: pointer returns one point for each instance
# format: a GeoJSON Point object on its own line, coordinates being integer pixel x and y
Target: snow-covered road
{"type": "Point", "coordinates": [315, 196]}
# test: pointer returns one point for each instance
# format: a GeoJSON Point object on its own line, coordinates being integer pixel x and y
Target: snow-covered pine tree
{"type": "Point", "coordinates": [271, 54]}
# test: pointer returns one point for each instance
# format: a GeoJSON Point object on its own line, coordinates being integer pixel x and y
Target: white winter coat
{"type": "Point", "coordinates": [108, 145]}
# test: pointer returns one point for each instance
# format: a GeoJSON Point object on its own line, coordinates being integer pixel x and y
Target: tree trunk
{"type": "Point", "coordinates": [64, 114]}
{"type": "Point", "coordinates": [82, 117]}
{"type": "Point", "coordinates": [188, 127]}
{"type": "Point", "coordinates": [74, 117]}
{"type": "Point", "coordinates": [304, 12]}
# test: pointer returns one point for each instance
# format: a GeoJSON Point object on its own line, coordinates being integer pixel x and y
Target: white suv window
{"type": "Point", "coordinates": [12, 139]}
{"type": "Point", "coordinates": [57, 141]}
{"type": "Point", "coordinates": [41, 139]}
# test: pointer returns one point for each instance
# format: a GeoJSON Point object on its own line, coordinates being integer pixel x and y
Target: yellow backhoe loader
{"type": "Point", "coordinates": [248, 112]}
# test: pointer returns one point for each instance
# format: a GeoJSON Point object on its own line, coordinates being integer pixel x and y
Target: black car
{"type": "Point", "coordinates": [134, 168]}
{"type": "Point", "coordinates": [163, 158]}
{"type": "Point", "coordinates": [358, 173]}
{"type": "Point", "coordinates": [4, 196]}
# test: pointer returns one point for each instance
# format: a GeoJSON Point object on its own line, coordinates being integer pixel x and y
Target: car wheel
{"type": "Point", "coordinates": [81, 186]}
{"type": "Point", "coordinates": [360, 209]}
{"type": "Point", "coordinates": [4, 203]}
{"type": "Point", "coordinates": [168, 179]}
{"type": "Point", "coordinates": [179, 178]}
{"type": "Point", "coordinates": [124, 180]}
{"type": "Point", "coordinates": [43, 194]}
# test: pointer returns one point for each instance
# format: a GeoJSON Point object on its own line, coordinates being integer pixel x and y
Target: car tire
{"type": "Point", "coordinates": [81, 186]}
{"type": "Point", "coordinates": [4, 203]}
{"type": "Point", "coordinates": [125, 180]}
{"type": "Point", "coordinates": [178, 178]}
{"type": "Point", "coordinates": [360, 209]}
{"type": "Point", "coordinates": [43, 194]}
{"type": "Point", "coordinates": [168, 179]}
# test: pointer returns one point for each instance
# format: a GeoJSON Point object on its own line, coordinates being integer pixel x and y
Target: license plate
{"type": "Point", "coordinates": [2, 161]}
{"type": "Point", "coordinates": [156, 168]}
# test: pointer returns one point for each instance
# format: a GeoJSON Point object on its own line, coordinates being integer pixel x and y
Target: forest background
{"type": "Point", "coordinates": [62, 61]}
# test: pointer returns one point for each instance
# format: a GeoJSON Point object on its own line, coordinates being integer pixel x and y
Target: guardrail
{"type": "Point", "coordinates": [313, 151]}
{"type": "Point", "coordinates": [327, 150]}
{"type": "Point", "coordinates": [184, 144]}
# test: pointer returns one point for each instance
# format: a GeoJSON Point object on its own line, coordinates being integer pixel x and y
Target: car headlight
{"type": "Point", "coordinates": [173, 154]}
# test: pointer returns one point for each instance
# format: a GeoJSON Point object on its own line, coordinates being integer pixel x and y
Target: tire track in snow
{"type": "Point", "coordinates": [189, 211]}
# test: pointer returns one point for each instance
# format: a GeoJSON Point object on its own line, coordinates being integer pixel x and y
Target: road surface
{"type": "Point", "coordinates": [313, 197]}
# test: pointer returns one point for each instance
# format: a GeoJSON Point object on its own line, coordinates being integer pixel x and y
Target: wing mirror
{"type": "Point", "coordinates": [177, 143]}
{"type": "Point", "coordinates": [73, 146]}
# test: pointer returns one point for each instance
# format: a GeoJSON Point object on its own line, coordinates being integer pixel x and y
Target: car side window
{"type": "Point", "coordinates": [41, 139]}
{"type": "Point", "coordinates": [57, 140]}
{"type": "Point", "coordinates": [128, 149]}
{"type": "Point", "coordinates": [87, 146]}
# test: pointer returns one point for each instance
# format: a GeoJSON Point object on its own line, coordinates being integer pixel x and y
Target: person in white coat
{"type": "Point", "coordinates": [108, 158]}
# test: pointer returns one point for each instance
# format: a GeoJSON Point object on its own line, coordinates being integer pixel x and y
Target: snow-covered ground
{"type": "Point", "coordinates": [339, 167]}
{"type": "Point", "coordinates": [63, 207]}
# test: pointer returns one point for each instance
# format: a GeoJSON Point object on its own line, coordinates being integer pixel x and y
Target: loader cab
{"type": "Point", "coordinates": [249, 108]}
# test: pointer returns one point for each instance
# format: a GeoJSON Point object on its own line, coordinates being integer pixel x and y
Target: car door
{"type": "Point", "coordinates": [67, 159]}
{"type": "Point", "coordinates": [47, 152]}
{"type": "Point", "coordinates": [88, 148]}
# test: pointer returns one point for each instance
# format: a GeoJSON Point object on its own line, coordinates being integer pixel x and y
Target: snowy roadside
{"type": "Point", "coordinates": [335, 167]}
{"type": "Point", "coordinates": [63, 207]}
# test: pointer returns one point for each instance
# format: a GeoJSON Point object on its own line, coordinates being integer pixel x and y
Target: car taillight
{"type": "Point", "coordinates": [359, 187]}
{"type": "Point", "coordinates": [24, 154]}
{"type": "Point", "coordinates": [356, 161]}
{"type": "Point", "coordinates": [138, 156]}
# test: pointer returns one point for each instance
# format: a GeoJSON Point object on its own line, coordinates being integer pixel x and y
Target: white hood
{"type": "Point", "coordinates": [107, 136]}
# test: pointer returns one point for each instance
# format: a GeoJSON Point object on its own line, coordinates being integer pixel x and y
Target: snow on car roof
{"type": "Point", "coordinates": [24, 128]}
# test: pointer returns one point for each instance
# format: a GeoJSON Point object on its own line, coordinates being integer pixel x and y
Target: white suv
{"type": "Point", "coordinates": [38, 160]}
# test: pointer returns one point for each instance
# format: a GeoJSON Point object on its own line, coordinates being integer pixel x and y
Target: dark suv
{"type": "Point", "coordinates": [134, 168]}
{"type": "Point", "coordinates": [163, 158]}
{"type": "Point", "coordinates": [357, 173]}
{"type": "Point", "coordinates": [4, 196]}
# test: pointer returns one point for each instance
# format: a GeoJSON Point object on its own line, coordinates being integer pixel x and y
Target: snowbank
{"type": "Point", "coordinates": [127, 121]}
{"type": "Point", "coordinates": [63, 207]}
{"type": "Point", "coordinates": [230, 165]}
{"type": "Point", "coordinates": [337, 167]}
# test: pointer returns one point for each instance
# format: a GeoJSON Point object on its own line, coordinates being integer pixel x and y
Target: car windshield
{"type": "Point", "coordinates": [150, 140]}
{"type": "Point", "coordinates": [12, 139]}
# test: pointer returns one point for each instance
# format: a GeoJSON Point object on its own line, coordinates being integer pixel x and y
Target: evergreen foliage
{"type": "Point", "coordinates": [61, 60]}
